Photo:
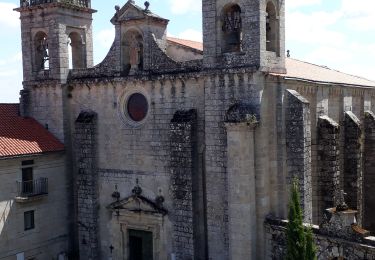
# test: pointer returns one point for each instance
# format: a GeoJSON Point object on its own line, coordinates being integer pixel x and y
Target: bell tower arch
{"type": "Point", "coordinates": [241, 33]}
{"type": "Point", "coordinates": [48, 29]}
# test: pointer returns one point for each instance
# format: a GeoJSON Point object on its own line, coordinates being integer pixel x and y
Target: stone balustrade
{"type": "Point", "coordinates": [80, 3]}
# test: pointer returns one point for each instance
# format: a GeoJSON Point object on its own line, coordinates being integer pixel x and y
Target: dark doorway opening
{"type": "Point", "coordinates": [140, 245]}
{"type": "Point", "coordinates": [27, 181]}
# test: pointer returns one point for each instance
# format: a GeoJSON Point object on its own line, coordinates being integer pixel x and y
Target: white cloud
{"type": "Point", "coordinates": [327, 37]}
{"type": "Point", "coordinates": [359, 16]}
{"type": "Point", "coordinates": [185, 6]}
{"type": "Point", "coordinates": [8, 17]}
{"type": "Point", "coordinates": [10, 77]}
{"type": "Point", "coordinates": [105, 37]}
{"type": "Point", "coordinates": [191, 34]}
{"type": "Point", "coordinates": [313, 28]}
{"type": "Point", "coordinates": [300, 3]}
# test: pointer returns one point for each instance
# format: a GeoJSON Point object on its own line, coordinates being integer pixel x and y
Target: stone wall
{"type": "Point", "coordinates": [328, 247]}
{"type": "Point", "coordinates": [221, 92]}
{"type": "Point", "coordinates": [353, 175]}
{"type": "Point", "coordinates": [50, 237]}
{"type": "Point", "coordinates": [183, 152]}
{"type": "Point", "coordinates": [85, 145]}
{"type": "Point", "coordinates": [328, 163]}
{"type": "Point", "coordinates": [298, 147]}
{"type": "Point", "coordinates": [241, 189]}
{"type": "Point", "coordinates": [369, 172]}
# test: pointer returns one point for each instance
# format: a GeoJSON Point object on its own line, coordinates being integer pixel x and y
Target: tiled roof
{"type": "Point", "coordinates": [23, 136]}
{"type": "Point", "coordinates": [188, 43]}
{"type": "Point", "coordinates": [297, 69]}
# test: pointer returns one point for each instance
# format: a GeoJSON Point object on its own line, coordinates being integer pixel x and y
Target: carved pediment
{"type": "Point", "coordinates": [131, 14]}
{"type": "Point", "coordinates": [131, 11]}
{"type": "Point", "coordinates": [138, 203]}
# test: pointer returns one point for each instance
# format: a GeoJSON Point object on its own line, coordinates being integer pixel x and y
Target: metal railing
{"type": "Point", "coordinates": [81, 3]}
{"type": "Point", "coordinates": [28, 189]}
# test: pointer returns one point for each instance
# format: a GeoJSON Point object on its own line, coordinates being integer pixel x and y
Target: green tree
{"type": "Point", "coordinates": [310, 245]}
{"type": "Point", "coordinates": [300, 244]}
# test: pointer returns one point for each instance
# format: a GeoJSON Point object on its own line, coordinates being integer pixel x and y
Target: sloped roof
{"type": "Point", "coordinates": [301, 70]}
{"type": "Point", "coordinates": [23, 136]}
{"type": "Point", "coordinates": [190, 44]}
{"type": "Point", "coordinates": [297, 69]}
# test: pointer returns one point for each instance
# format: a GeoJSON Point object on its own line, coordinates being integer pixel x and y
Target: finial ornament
{"type": "Point", "coordinates": [137, 191]}
{"type": "Point", "coordinates": [147, 5]}
{"type": "Point", "coordinates": [342, 206]}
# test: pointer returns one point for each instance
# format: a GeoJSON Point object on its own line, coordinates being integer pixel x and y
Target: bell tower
{"type": "Point", "coordinates": [56, 36]}
{"type": "Point", "coordinates": [242, 33]}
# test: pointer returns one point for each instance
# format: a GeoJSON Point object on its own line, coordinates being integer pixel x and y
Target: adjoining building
{"type": "Point", "coordinates": [183, 150]}
{"type": "Point", "coordinates": [34, 199]}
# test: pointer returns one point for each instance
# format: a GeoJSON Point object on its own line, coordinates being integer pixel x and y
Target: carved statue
{"type": "Point", "coordinates": [134, 52]}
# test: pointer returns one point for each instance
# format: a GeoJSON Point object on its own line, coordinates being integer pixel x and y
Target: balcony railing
{"type": "Point", "coordinates": [30, 189]}
{"type": "Point", "coordinates": [80, 3]}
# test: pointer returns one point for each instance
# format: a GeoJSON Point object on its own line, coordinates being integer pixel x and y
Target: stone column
{"type": "Point", "coordinates": [298, 147]}
{"type": "Point", "coordinates": [353, 163]}
{"type": "Point", "coordinates": [328, 164]}
{"type": "Point", "coordinates": [369, 172]}
{"type": "Point", "coordinates": [85, 149]}
{"type": "Point", "coordinates": [183, 149]}
{"type": "Point", "coordinates": [241, 191]}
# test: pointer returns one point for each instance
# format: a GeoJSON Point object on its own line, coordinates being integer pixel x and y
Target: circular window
{"type": "Point", "coordinates": [137, 107]}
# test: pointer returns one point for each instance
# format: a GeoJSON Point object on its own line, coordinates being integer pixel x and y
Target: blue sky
{"type": "Point", "coordinates": [339, 34]}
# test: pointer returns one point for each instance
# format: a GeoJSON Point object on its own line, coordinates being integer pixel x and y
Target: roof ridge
{"type": "Point", "coordinates": [335, 70]}
{"type": "Point", "coordinates": [171, 37]}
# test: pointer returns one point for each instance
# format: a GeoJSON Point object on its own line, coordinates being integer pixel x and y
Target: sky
{"type": "Point", "coordinates": [339, 34]}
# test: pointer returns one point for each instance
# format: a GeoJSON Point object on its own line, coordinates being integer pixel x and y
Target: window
{"type": "Point", "coordinates": [29, 220]}
{"type": "Point", "coordinates": [272, 28]}
{"type": "Point", "coordinates": [232, 29]}
{"type": "Point", "coordinates": [137, 107]}
{"type": "Point", "coordinates": [41, 57]}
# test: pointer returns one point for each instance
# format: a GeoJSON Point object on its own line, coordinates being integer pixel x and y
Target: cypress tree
{"type": "Point", "coordinates": [310, 246]}
{"type": "Point", "coordinates": [300, 242]}
{"type": "Point", "coordinates": [296, 241]}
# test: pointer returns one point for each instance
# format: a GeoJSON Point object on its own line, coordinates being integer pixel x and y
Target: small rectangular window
{"type": "Point", "coordinates": [29, 220]}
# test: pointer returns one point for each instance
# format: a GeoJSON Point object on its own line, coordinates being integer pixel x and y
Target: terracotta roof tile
{"type": "Point", "coordinates": [22, 136]}
{"type": "Point", "coordinates": [188, 43]}
{"type": "Point", "coordinates": [297, 69]}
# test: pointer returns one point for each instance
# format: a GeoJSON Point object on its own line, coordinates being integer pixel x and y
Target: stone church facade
{"type": "Point", "coordinates": [183, 151]}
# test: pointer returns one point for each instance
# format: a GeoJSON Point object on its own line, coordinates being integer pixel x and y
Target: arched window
{"type": "Point", "coordinates": [272, 28]}
{"type": "Point", "coordinates": [132, 53]}
{"type": "Point", "coordinates": [232, 29]}
{"type": "Point", "coordinates": [41, 57]}
{"type": "Point", "coordinates": [76, 45]}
